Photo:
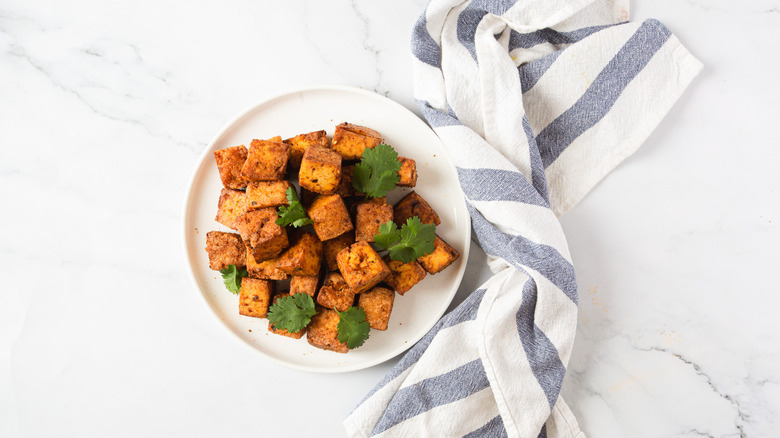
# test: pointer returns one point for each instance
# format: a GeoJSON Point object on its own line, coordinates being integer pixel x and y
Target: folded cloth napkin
{"type": "Point", "coordinates": [535, 101]}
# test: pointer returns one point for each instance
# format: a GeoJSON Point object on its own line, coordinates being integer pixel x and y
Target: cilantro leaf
{"type": "Point", "coordinates": [232, 277]}
{"type": "Point", "coordinates": [292, 214]}
{"type": "Point", "coordinates": [388, 235]}
{"type": "Point", "coordinates": [292, 313]}
{"type": "Point", "coordinates": [377, 172]}
{"type": "Point", "coordinates": [353, 328]}
{"type": "Point", "coordinates": [414, 240]}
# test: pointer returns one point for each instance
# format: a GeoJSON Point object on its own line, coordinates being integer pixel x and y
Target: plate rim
{"type": "Point", "coordinates": [186, 219]}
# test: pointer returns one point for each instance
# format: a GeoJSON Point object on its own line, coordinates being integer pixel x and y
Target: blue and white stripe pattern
{"type": "Point", "coordinates": [536, 101]}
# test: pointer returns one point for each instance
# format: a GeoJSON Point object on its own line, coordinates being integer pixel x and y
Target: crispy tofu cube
{"type": "Point", "coordinates": [408, 172]}
{"type": "Point", "coordinates": [266, 161]}
{"type": "Point", "coordinates": [403, 275]}
{"type": "Point", "coordinates": [323, 331]}
{"type": "Point", "coordinates": [352, 204]}
{"type": "Point", "coordinates": [303, 257]}
{"type": "Point", "coordinates": [232, 204]}
{"type": "Point", "coordinates": [255, 297]}
{"type": "Point", "coordinates": [377, 303]}
{"type": "Point", "coordinates": [229, 162]}
{"type": "Point", "coordinates": [283, 332]}
{"type": "Point", "coordinates": [259, 231]}
{"type": "Point", "coordinates": [225, 249]}
{"type": "Point", "coordinates": [414, 205]}
{"type": "Point", "coordinates": [345, 188]}
{"type": "Point", "coordinates": [335, 293]}
{"type": "Point", "coordinates": [442, 256]}
{"type": "Point", "coordinates": [265, 270]}
{"type": "Point", "coordinates": [368, 219]}
{"type": "Point", "coordinates": [351, 140]}
{"type": "Point", "coordinates": [331, 248]}
{"type": "Point", "coordinates": [361, 266]}
{"type": "Point", "coordinates": [300, 284]}
{"type": "Point", "coordinates": [330, 216]}
{"type": "Point", "coordinates": [301, 142]}
{"type": "Point", "coordinates": [262, 194]}
{"type": "Point", "coordinates": [361, 130]}
{"type": "Point", "coordinates": [320, 170]}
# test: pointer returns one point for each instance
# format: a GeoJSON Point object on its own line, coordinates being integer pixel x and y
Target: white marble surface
{"type": "Point", "coordinates": [106, 106]}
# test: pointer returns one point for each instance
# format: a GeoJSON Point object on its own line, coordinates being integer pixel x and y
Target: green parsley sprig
{"type": "Point", "coordinates": [353, 328]}
{"type": "Point", "coordinates": [413, 240]}
{"type": "Point", "coordinates": [292, 214]}
{"type": "Point", "coordinates": [377, 172]}
{"type": "Point", "coordinates": [232, 277]}
{"type": "Point", "coordinates": [292, 313]}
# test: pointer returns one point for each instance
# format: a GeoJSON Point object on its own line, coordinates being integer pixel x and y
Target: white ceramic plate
{"type": "Point", "coordinates": [310, 110]}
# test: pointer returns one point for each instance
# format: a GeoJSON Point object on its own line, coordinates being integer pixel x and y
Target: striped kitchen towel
{"type": "Point", "coordinates": [535, 101]}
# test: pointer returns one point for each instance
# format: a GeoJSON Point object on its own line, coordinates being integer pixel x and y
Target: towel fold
{"type": "Point", "coordinates": [535, 102]}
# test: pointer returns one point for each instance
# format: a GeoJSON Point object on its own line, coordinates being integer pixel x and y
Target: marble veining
{"type": "Point", "coordinates": [106, 108]}
{"type": "Point", "coordinates": [112, 79]}
{"type": "Point", "coordinates": [369, 46]}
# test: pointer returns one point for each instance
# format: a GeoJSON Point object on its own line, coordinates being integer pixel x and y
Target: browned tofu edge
{"type": "Point", "coordinates": [323, 331]}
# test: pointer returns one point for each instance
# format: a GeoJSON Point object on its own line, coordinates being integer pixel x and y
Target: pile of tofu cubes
{"type": "Point", "coordinates": [335, 264]}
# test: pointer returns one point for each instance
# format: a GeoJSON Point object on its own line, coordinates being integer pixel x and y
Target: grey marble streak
{"type": "Point", "coordinates": [373, 43]}
{"type": "Point", "coordinates": [741, 388]}
{"type": "Point", "coordinates": [107, 76]}
{"type": "Point", "coordinates": [751, 7]}
{"type": "Point", "coordinates": [105, 107]}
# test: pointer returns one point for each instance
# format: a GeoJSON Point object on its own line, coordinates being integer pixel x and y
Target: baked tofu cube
{"type": "Point", "coordinates": [255, 297]}
{"type": "Point", "coordinates": [259, 231]}
{"type": "Point", "coordinates": [232, 204]}
{"type": "Point", "coordinates": [335, 293]}
{"type": "Point", "coordinates": [322, 331]}
{"type": "Point", "coordinates": [345, 188]}
{"type": "Point", "coordinates": [403, 275]}
{"type": "Point", "coordinates": [300, 284]}
{"type": "Point", "coordinates": [230, 161]}
{"type": "Point", "coordinates": [320, 170]}
{"type": "Point", "coordinates": [351, 140]}
{"type": "Point", "coordinates": [352, 204]}
{"type": "Point", "coordinates": [303, 257]}
{"type": "Point", "coordinates": [331, 248]}
{"type": "Point", "coordinates": [301, 142]}
{"type": "Point", "coordinates": [368, 219]}
{"type": "Point", "coordinates": [414, 205]}
{"type": "Point", "coordinates": [361, 266]}
{"type": "Point", "coordinates": [330, 216]}
{"type": "Point", "coordinates": [377, 303]}
{"type": "Point", "coordinates": [295, 335]}
{"type": "Point", "coordinates": [265, 270]}
{"type": "Point", "coordinates": [442, 256]}
{"type": "Point", "coordinates": [408, 172]}
{"type": "Point", "coordinates": [262, 194]}
{"type": "Point", "coordinates": [225, 249]}
{"type": "Point", "coordinates": [266, 161]}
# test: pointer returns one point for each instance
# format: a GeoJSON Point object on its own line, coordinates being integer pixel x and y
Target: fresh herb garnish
{"type": "Point", "coordinates": [377, 172]}
{"type": "Point", "coordinates": [413, 240]}
{"type": "Point", "coordinates": [353, 328]}
{"type": "Point", "coordinates": [232, 277]}
{"type": "Point", "coordinates": [292, 313]}
{"type": "Point", "coordinates": [292, 214]}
